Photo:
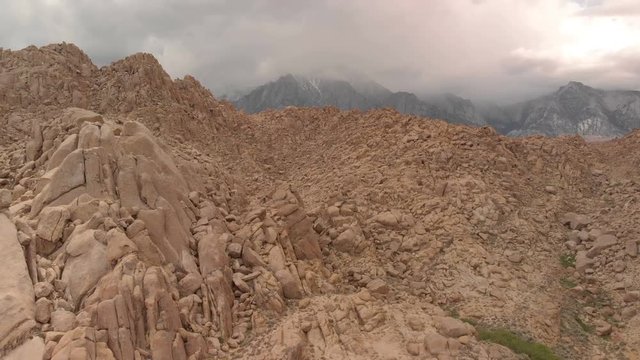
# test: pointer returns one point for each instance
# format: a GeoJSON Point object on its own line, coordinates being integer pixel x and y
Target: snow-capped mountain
{"type": "Point", "coordinates": [363, 94]}
{"type": "Point", "coordinates": [574, 108]}
{"type": "Point", "coordinates": [577, 109]}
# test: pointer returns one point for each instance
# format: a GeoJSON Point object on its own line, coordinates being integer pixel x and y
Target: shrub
{"type": "Point", "coordinates": [517, 344]}
{"type": "Point", "coordinates": [568, 260]}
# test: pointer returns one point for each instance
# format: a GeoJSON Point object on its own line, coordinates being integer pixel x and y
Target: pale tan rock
{"type": "Point", "coordinates": [78, 116]}
{"type": "Point", "coordinates": [346, 241]}
{"type": "Point", "coordinates": [631, 296]}
{"type": "Point", "coordinates": [118, 245]}
{"type": "Point", "coordinates": [42, 289]}
{"type": "Point", "coordinates": [16, 290]}
{"type": "Point", "coordinates": [135, 228]}
{"type": "Point", "coordinates": [386, 219]}
{"type": "Point", "coordinates": [69, 144]}
{"type": "Point", "coordinates": [378, 286]}
{"type": "Point", "coordinates": [583, 261]}
{"type": "Point", "coordinates": [43, 310]}
{"type": "Point", "coordinates": [51, 223]}
{"type": "Point", "coordinates": [31, 349]}
{"type": "Point", "coordinates": [86, 265]}
{"type": "Point", "coordinates": [414, 348]}
{"type": "Point", "coordinates": [63, 320]}
{"type": "Point", "coordinates": [234, 250]}
{"type": "Point", "coordinates": [89, 136]}
{"type": "Point", "coordinates": [631, 248]}
{"type": "Point", "coordinates": [415, 323]}
{"type": "Point", "coordinates": [601, 243]}
{"type": "Point", "coordinates": [575, 221]}
{"type": "Point", "coordinates": [251, 258]}
{"type": "Point", "coordinates": [240, 283]}
{"type": "Point", "coordinates": [290, 286]}
{"type": "Point", "coordinates": [435, 344]}
{"type": "Point", "coordinates": [189, 284]}
{"type": "Point", "coordinates": [5, 199]}
{"type": "Point", "coordinates": [68, 176]}
{"type": "Point", "coordinates": [451, 327]}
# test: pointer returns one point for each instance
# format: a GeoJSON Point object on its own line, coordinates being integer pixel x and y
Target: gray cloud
{"type": "Point", "coordinates": [483, 49]}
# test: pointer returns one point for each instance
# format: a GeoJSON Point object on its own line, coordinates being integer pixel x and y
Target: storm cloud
{"type": "Point", "coordinates": [501, 50]}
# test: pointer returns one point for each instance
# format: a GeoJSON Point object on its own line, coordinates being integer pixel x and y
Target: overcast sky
{"type": "Point", "coordinates": [502, 50]}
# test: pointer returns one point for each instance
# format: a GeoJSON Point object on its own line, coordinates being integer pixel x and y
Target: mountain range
{"type": "Point", "coordinates": [574, 108]}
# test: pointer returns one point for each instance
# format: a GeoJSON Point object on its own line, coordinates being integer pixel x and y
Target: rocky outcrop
{"type": "Point", "coordinates": [303, 233]}
{"type": "Point", "coordinates": [130, 262]}
{"type": "Point", "coordinates": [360, 94]}
{"type": "Point", "coordinates": [16, 290]}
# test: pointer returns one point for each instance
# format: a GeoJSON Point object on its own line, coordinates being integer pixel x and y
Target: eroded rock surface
{"type": "Point", "coordinates": [143, 219]}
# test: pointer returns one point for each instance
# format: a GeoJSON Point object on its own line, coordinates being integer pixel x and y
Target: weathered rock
{"type": "Point", "coordinates": [5, 198]}
{"type": "Point", "coordinates": [51, 222]}
{"type": "Point", "coordinates": [386, 219]}
{"type": "Point", "coordinates": [43, 310]}
{"type": "Point", "coordinates": [378, 286]}
{"type": "Point", "coordinates": [451, 327]}
{"type": "Point", "coordinates": [631, 248]}
{"type": "Point", "coordinates": [435, 344]}
{"type": "Point", "coordinates": [603, 328]}
{"type": "Point", "coordinates": [68, 176]}
{"type": "Point", "coordinates": [63, 320]}
{"type": "Point", "coordinates": [601, 243]}
{"type": "Point", "coordinates": [118, 245]}
{"type": "Point", "coordinates": [347, 242]}
{"type": "Point", "coordinates": [42, 289]}
{"type": "Point", "coordinates": [234, 250]}
{"type": "Point", "coordinates": [189, 284]}
{"type": "Point", "coordinates": [631, 296]}
{"type": "Point", "coordinates": [86, 265]}
{"type": "Point", "coordinates": [16, 289]}
{"type": "Point", "coordinates": [582, 261]}
{"type": "Point", "coordinates": [240, 283]}
{"type": "Point", "coordinates": [290, 286]}
{"type": "Point", "coordinates": [251, 258]}
{"type": "Point", "coordinates": [32, 349]}
{"type": "Point", "coordinates": [575, 221]}
{"type": "Point", "coordinates": [66, 147]}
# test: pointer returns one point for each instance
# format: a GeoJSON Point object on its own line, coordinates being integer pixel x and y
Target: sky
{"type": "Point", "coordinates": [487, 50]}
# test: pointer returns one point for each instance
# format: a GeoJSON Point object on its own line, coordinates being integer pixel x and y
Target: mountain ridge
{"type": "Point", "coordinates": [174, 226]}
{"type": "Point", "coordinates": [574, 108]}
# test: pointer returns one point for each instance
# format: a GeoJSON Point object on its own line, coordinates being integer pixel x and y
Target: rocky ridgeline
{"type": "Point", "coordinates": [173, 227]}
{"type": "Point", "coordinates": [50, 78]}
{"type": "Point", "coordinates": [127, 262]}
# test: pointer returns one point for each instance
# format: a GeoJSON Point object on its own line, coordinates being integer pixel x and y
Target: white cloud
{"type": "Point", "coordinates": [491, 49]}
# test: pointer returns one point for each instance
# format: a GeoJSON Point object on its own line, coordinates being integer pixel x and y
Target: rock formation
{"type": "Point", "coordinates": [142, 219]}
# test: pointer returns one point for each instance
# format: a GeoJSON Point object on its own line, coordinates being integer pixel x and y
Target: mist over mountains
{"type": "Point", "coordinates": [574, 108]}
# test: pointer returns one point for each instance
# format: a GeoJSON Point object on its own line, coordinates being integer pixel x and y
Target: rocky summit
{"type": "Point", "coordinates": [141, 218]}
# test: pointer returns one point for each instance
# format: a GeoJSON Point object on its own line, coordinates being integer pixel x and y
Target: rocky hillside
{"type": "Point", "coordinates": [160, 223]}
{"type": "Point", "coordinates": [301, 91]}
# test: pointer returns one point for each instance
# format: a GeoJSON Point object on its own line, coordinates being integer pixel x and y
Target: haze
{"type": "Point", "coordinates": [497, 50]}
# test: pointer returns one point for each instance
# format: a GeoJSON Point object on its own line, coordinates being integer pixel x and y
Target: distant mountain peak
{"type": "Point", "coordinates": [574, 86]}
{"type": "Point", "coordinates": [353, 92]}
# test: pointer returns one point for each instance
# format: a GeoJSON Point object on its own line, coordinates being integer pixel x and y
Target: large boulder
{"type": "Point", "coordinates": [17, 302]}
{"type": "Point", "coordinates": [87, 263]}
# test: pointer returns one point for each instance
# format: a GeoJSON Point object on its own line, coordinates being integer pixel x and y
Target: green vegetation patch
{"type": "Point", "coordinates": [517, 344]}
{"type": "Point", "coordinates": [567, 283]}
{"type": "Point", "coordinates": [568, 260]}
{"type": "Point", "coordinates": [584, 326]}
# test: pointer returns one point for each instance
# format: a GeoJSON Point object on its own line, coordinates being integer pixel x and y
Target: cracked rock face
{"type": "Point", "coordinates": [137, 263]}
